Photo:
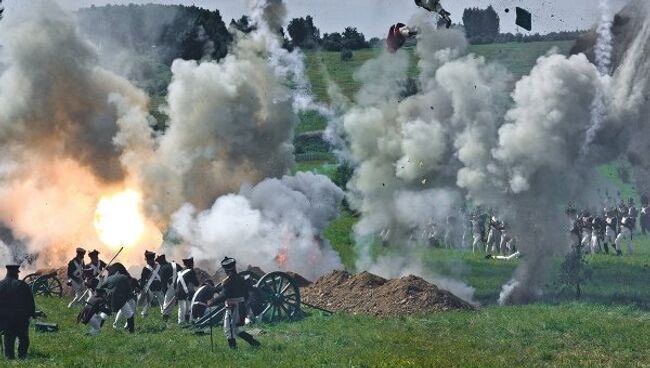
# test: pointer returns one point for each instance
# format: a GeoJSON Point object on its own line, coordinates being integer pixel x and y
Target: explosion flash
{"type": "Point", "coordinates": [118, 219]}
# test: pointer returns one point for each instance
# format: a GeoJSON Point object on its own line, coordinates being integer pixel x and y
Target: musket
{"type": "Point", "coordinates": [116, 254]}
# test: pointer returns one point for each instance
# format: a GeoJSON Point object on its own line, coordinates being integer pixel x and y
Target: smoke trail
{"type": "Point", "coordinates": [603, 51]}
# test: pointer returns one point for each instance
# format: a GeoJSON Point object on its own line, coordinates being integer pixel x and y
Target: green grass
{"type": "Point", "coordinates": [570, 335]}
{"type": "Point", "coordinates": [616, 173]}
{"type": "Point", "coordinates": [311, 121]}
{"type": "Point", "coordinates": [341, 236]}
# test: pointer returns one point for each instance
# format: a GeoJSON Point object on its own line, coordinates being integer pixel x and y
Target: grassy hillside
{"type": "Point", "coordinates": [572, 335]}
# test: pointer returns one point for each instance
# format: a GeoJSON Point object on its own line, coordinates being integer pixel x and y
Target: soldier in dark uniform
{"type": "Point", "coordinates": [235, 291]}
{"type": "Point", "coordinates": [150, 283]}
{"type": "Point", "coordinates": [117, 289]}
{"type": "Point", "coordinates": [75, 277]}
{"type": "Point", "coordinates": [16, 308]}
{"type": "Point", "coordinates": [186, 284]}
{"type": "Point", "coordinates": [96, 265]}
{"type": "Point", "coordinates": [168, 276]}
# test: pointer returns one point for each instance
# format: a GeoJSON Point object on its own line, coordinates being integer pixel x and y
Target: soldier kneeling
{"type": "Point", "coordinates": [113, 295]}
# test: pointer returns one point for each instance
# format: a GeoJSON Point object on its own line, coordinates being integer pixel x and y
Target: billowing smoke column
{"type": "Point", "coordinates": [231, 124]}
{"type": "Point", "coordinates": [466, 132]}
{"type": "Point", "coordinates": [68, 132]}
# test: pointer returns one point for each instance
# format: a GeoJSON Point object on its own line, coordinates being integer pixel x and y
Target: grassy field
{"type": "Point", "coordinates": [568, 335]}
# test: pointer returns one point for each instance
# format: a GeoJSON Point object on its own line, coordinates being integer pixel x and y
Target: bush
{"type": "Point", "coordinates": [346, 55]}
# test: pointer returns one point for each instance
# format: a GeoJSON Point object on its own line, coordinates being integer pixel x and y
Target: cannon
{"type": "Point", "coordinates": [45, 283]}
{"type": "Point", "coordinates": [274, 297]}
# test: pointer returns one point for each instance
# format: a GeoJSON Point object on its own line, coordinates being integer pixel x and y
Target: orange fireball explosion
{"type": "Point", "coordinates": [119, 221]}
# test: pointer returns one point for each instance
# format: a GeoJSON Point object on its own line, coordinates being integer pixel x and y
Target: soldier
{"type": "Point", "coordinates": [494, 236]}
{"type": "Point", "coordinates": [16, 308]}
{"type": "Point", "coordinates": [185, 286]}
{"type": "Point", "coordinates": [477, 232]}
{"type": "Point", "coordinates": [150, 283]}
{"type": "Point", "coordinates": [234, 293]}
{"type": "Point", "coordinates": [168, 277]}
{"type": "Point", "coordinates": [96, 265]}
{"type": "Point", "coordinates": [75, 277]}
{"type": "Point", "coordinates": [644, 216]}
{"type": "Point", "coordinates": [597, 234]}
{"type": "Point", "coordinates": [611, 223]}
{"type": "Point", "coordinates": [625, 234]}
{"type": "Point", "coordinates": [507, 243]}
{"type": "Point", "coordinates": [114, 294]}
{"type": "Point", "coordinates": [585, 230]}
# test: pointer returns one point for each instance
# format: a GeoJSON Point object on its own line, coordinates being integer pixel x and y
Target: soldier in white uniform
{"type": "Point", "coordinates": [75, 277]}
{"type": "Point", "coordinates": [625, 234]}
{"type": "Point", "coordinates": [597, 234]}
{"type": "Point", "coordinates": [585, 231]}
{"type": "Point", "coordinates": [494, 236]}
{"type": "Point", "coordinates": [477, 233]}
{"type": "Point", "coordinates": [611, 222]}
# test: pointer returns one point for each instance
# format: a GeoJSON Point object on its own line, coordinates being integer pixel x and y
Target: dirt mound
{"type": "Point", "coordinates": [366, 293]}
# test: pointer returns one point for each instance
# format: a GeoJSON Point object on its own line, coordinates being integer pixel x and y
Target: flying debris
{"type": "Point", "coordinates": [434, 6]}
{"type": "Point", "coordinates": [524, 19]}
{"type": "Point", "coordinates": [397, 35]}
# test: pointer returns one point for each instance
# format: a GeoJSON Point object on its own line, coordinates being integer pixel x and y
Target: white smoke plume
{"type": "Point", "coordinates": [277, 224]}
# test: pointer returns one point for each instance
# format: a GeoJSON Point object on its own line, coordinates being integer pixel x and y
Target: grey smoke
{"type": "Point", "coordinates": [275, 218]}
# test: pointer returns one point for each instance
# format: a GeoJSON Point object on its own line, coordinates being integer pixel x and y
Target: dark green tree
{"type": "Point", "coordinates": [304, 33]}
{"type": "Point", "coordinates": [481, 25]}
{"type": "Point", "coordinates": [243, 24]}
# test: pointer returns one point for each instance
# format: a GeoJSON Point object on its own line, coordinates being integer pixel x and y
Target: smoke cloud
{"type": "Point", "coordinates": [67, 129]}
{"type": "Point", "coordinates": [278, 223]}
{"type": "Point", "coordinates": [470, 132]}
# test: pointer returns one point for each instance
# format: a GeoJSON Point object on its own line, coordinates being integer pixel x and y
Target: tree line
{"type": "Point", "coordinates": [306, 35]}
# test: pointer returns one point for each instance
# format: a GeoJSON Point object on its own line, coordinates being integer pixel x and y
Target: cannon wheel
{"type": "Point", "coordinates": [31, 278]}
{"type": "Point", "coordinates": [47, 286]}
{"type": "Point", "coordinates": [281, 296]}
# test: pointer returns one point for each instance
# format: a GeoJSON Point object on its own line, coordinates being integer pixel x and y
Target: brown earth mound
{"type": "Point", "coordinates": [366, 293]}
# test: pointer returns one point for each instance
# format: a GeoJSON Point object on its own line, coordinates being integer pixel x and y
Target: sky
{"type": "Point", "coordinates": [374, 17]}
